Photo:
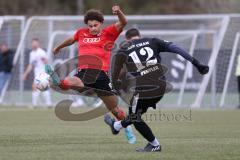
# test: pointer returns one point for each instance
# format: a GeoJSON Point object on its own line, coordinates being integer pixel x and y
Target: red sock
{"type": "Point", "coordinates": [120, 114]}
{"type": "Point", "coordinates": [64, 84]}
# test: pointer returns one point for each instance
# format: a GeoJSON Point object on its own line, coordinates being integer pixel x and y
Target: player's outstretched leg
{"type": "Point", "coordinates": [116, 126]}
{"type": "Point", "coordinates": [53, 75]}
{"type": "Point", "coordinates": [150, 148]}
{"type": "Point", "coordinates": [110, 121]}
{"type": "Point", "coordinates": [153, 144]}
{"type": "Point", "coordinates": [142, 128]}
{"type": "Point", "coordinates": [67, 83]}
{"type": "Point", "coordinates": [111, 104]}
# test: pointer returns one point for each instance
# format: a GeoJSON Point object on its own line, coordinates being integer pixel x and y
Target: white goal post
{"type": "Point", "coordinates": [206, 41]}
{"type": "Point", "coordinates": [212, 61]}
{"type": "Point", "coordinates": [14, 26]}
{"type": "Point", "coordinates": [230, 68]}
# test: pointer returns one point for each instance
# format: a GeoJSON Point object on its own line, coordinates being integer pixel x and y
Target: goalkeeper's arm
{"type": "Point", "coordinates": [203, 69]}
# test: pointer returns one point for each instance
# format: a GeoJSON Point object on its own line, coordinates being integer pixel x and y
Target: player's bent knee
{"type": "Point", "coordinates": [70, 82]}
{"type": "Point", "coordinates": [76, 82]}
{"type": "Point", "coordinates": [64, 84]}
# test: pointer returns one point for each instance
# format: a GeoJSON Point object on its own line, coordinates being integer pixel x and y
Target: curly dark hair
{"type": "Point", "coordinates": [93, 14]}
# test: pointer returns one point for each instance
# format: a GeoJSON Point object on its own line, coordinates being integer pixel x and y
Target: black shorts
{"type": "Point", "coordinates": [97, 80]}
{"type": "Point", "coordinates": [141, 105]}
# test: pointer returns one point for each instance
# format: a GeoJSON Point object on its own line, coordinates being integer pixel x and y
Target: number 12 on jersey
{"type": "Point", "coordinates": [143, 52]}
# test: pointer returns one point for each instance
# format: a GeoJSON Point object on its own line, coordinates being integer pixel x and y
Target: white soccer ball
{"type": "Point", "coordinates": [42, 81]}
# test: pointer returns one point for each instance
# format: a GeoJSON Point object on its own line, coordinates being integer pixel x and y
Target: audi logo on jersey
{"type": "Point", "coordinates": [91, 40]}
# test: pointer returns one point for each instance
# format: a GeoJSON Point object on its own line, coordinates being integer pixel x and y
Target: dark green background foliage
{"type": "Point", "coordinates": [73, 7]}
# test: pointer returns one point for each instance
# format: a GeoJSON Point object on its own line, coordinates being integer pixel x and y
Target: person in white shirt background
{"type": "Point", "coordinates": [37, 61]}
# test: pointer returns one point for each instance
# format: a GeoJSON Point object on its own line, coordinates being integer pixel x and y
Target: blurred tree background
{"type": "Point", "coordinates": [75, 7]}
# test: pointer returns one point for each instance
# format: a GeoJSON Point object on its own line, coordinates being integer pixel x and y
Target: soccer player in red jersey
{"type": "Point", "coordinates": [95, 42]}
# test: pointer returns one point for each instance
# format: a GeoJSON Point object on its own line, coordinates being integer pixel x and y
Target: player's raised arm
{"type": "Point", "coordinates": [172, 48]}
{"type": "Point", "coordinates": [203, 69]}
{"type": "Point", "coordinates": [122, 22]}
{"type": "Point", "coordinates": [66, 43]}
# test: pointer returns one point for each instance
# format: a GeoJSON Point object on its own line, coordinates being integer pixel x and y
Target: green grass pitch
{"type": "Point", "coordinates": [27, 134]}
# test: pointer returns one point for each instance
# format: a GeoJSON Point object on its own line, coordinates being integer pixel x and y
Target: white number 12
{"type": "Point", "coordinates": [143, 51]}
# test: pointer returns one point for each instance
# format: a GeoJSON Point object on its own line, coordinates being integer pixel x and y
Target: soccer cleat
{"type": "Point", "coordinates": [130, 135]}
{"type": "Point", "coordinates": [110, 121]}
{"type": "Point", "coordinates": [150, 148]}
{"type": "Point", "coordinates": [52, 74]}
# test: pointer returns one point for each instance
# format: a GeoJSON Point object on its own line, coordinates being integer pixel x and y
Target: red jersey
{"type": "Point", "coordinates": [95, 50]}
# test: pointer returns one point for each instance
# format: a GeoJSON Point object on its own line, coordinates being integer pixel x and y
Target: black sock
{"type": "Point", "coordinates": [144, 130]}
{"type": "Point", "coordinates": [126, 122]}
{"type": "Point", "coordinates": [130, 119]}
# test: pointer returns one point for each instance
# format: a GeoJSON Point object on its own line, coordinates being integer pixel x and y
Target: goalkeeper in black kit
{"type": "Point", "coordinates": [143, 81]}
